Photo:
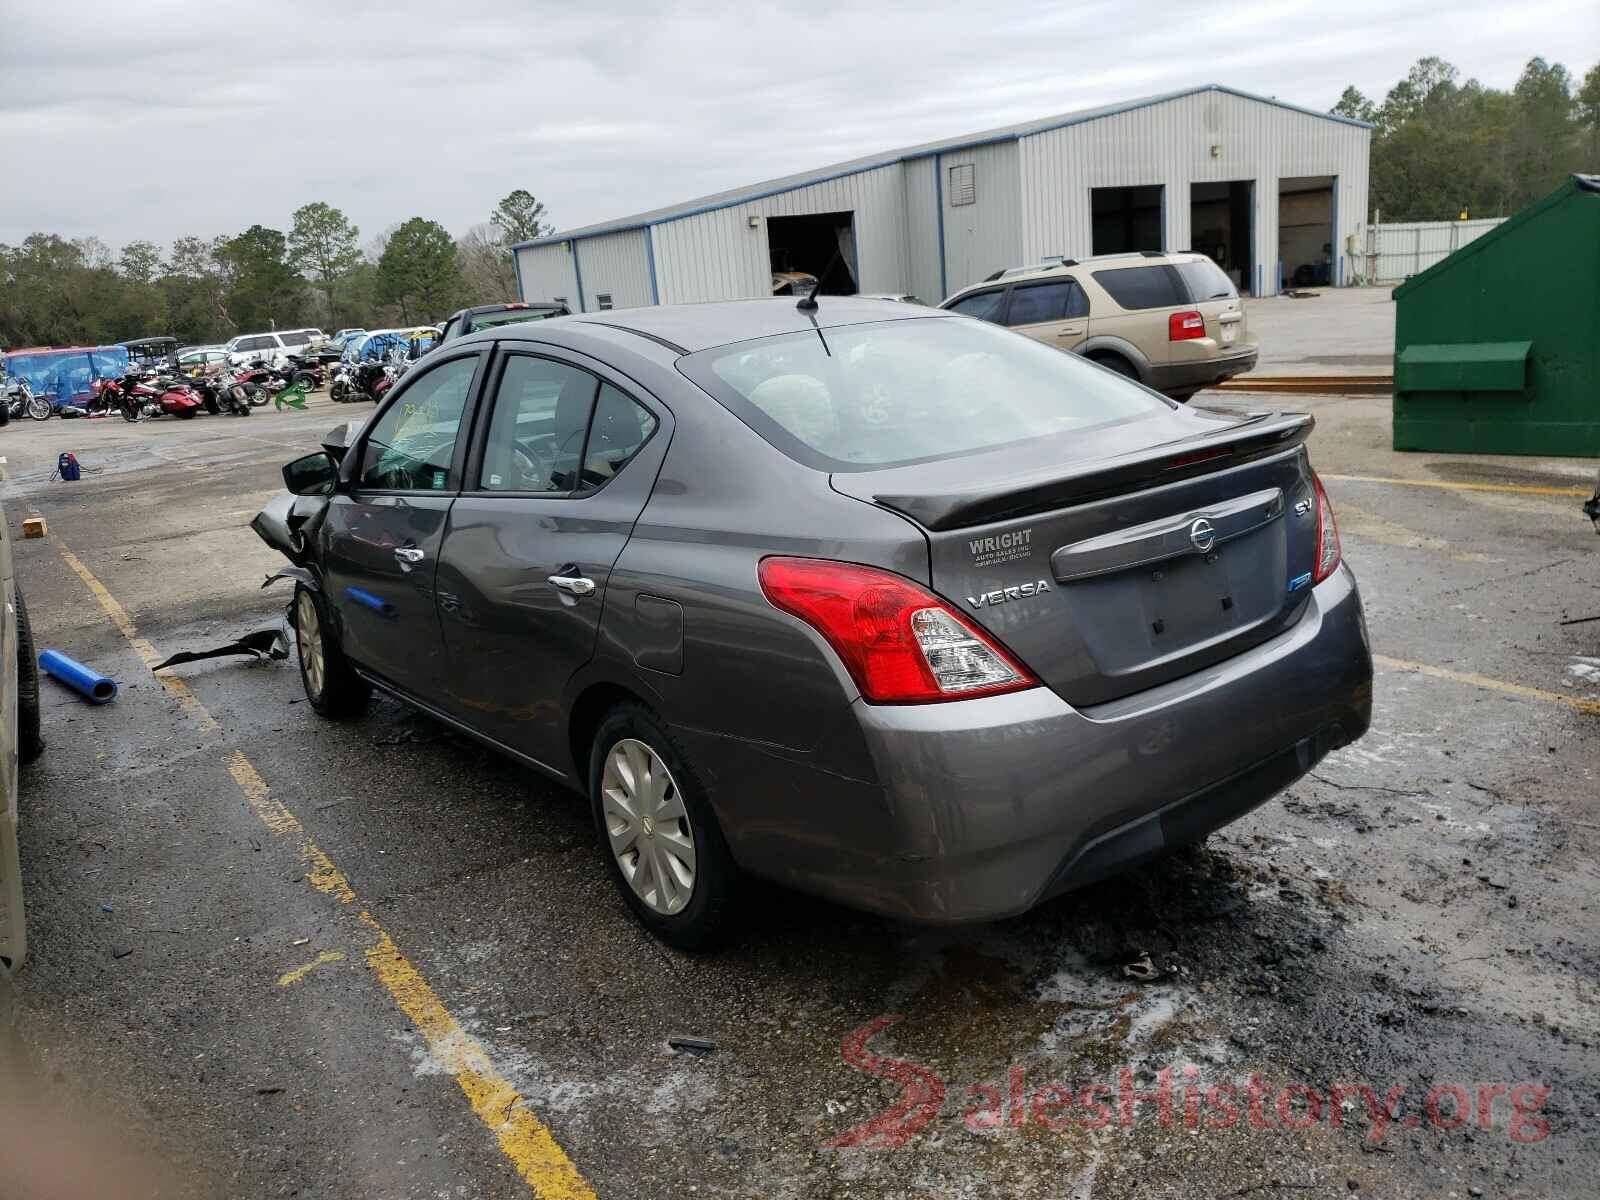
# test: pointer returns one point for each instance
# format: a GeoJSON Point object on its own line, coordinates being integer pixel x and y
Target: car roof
{"type": "Point", "coordinates": [1045, 270]}
{"type": "Point", "coordinates": [687, 328]}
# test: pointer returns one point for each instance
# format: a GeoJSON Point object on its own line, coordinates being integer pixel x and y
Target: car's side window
{"type": "Point", "coordinates": [411, 446]}
{"type": "Point", "coordinates": [619, 429]}
{"type": "Point", "coordinates": [986, 306]}
{"type": "Point", "coordinates": [1041, 302]}
{"type": "Point", "coordinates": [536, 434]}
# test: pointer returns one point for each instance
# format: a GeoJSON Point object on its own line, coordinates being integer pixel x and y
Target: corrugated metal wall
{"type": "Point", "coordinates": [1396, 251]}
{"type": "Point", "coordinates": [718, 256]}
{"type": "Point", "coordinates": [617, 264]}
{"type": "Point", "coordinates": [922, 232]}
{"type": "Point", "coordinates": [1170, 144]}
{"type": "Point", "coordinates": [985, 236]}
{"type": "Point", "coordinates": [545, 272]}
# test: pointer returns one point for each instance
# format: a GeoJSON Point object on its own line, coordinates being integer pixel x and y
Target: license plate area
{"type": "Point", "coordinates": [1158, 612]}
{"type": "Point", "coordinates": [1229, 332]}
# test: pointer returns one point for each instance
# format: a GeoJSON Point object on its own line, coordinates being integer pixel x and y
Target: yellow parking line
{"type": "Point", "coordinates": [290, 978]}
{"type": "Point", "coordinates": [524, 1139]}
{"type": "Point", "coordinates": [1514, 488]}
{"type": "Point", "coordinates": [1483, 681]}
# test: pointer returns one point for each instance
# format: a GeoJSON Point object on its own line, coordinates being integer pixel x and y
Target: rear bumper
{"type": "Point", "coordinates": [1190, 376]}
{"type": "Point", "coordinates": [987, 807]}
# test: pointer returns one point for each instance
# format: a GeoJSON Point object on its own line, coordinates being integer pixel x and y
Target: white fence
{"type": "Point", "coordinates": [1395, 252]}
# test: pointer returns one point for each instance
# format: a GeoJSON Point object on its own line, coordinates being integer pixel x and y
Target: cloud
{"type": "Point", "coordinates": [155, 119]}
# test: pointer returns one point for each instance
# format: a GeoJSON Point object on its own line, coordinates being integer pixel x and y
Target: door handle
{"type": "Point", "coordinates": [573, 585]}
{"type": "Point", "coordinates": [1071, 331]}
{"type": "Point", "coordinates": [409, 555]}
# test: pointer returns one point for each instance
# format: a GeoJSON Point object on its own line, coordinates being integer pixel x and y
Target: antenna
{"type": "Point", "coordinates": [809, 303]}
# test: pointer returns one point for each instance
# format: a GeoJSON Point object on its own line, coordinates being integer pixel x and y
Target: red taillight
{"type": "Point", "coordinates": [900, 642]}
{"type": "Point", "coordinates": [1328, 549]}
{"type": "Point", "coordinates": [1182, 326]}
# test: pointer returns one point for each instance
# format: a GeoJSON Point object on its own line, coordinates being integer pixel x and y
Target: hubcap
{"type": "Point", "coordinates": [648, 826]}
{"type": "Point", "coordinates": [308, 632]}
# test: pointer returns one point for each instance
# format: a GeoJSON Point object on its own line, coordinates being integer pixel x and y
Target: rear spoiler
{"type": "Point", "coordinates": [1259, 435]}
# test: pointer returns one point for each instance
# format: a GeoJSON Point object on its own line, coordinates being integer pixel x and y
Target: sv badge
{"type": "Point", "coordinates": [1001, 595]}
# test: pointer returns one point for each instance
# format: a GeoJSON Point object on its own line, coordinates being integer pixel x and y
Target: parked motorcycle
{"type": "Point", "coordinates": [138, 397]}
{"type": "Point", "coordinates": [225, 392]}
{"type": "Point", "coordinates": [21, 402]}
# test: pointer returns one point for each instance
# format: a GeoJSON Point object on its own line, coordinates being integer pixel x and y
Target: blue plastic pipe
{"type": "Point", "coordinates": [88, 683]}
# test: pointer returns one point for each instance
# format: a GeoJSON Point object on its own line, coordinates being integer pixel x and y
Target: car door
{"type": "Point", "coordinates": [1052, 311]}
{"type": "Point", "coordinates": [566, 459]}
{"type": "Point", "coordinates": [379, 543]}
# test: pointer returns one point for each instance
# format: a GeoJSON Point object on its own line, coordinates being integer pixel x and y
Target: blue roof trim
{"type": "Point", "coordinates": [933, 150]}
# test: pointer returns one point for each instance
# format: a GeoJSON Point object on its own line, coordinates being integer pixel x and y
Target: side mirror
{"type": "Point", "coordinates": [313, 475]}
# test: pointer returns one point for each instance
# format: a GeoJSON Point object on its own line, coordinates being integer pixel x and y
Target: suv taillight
{"type": "Point", "coordinates": [1181, 326]}
{"type": "Point", "coordinates": [1328, 549]}
{"type": "Point", "coordinates": [900, 642]}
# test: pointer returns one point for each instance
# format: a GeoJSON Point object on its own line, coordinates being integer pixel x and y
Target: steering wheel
{"type": "Point", "coordinates": [537, 465]}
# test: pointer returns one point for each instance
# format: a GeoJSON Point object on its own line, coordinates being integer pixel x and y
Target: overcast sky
{"type": "Point", "coordinates": [154, 119]}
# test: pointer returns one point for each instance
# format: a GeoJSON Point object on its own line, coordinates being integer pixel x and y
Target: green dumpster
{"type": "Point", "coordinates": [1497, 347]}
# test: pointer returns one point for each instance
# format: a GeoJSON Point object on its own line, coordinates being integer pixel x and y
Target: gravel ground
{"type": "Point", "coordinates": [1419, 914]}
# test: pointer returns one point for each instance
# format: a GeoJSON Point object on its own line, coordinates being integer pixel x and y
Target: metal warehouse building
{"type": "Point", "coordinates": [1275, 193]}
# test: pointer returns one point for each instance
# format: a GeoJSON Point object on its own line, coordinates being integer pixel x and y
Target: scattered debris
{"type": "Point", "coordinates": [121, 951]}
{"type": "Point", "coordinates": [86, 681]}
{"type": "Point", "coordinates": [262, 644]}
{"type": "Point", "coordinates": [692, 1045]}
{"type": "Point", "coordinates": [1141, 968]}
{"type": "Point", "coordinates": [33, 527]}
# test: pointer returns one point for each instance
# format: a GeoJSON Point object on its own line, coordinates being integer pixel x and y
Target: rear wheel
{"type": "Point", "coordinates": [212, 406]}
{"type": "Point", "coordinates": [256, 394]}
{"type": "Point", "coordinates": [305, 378]}
{"type": "Point", "coordinates": [30, 738]}
{"type": "Point", "coordinates": [39, 408]}
{"type": "Point", "coordinates": [332, 685]}
{"type": "Point", "coordinates": [1115, 362]}
{"type": "Point", "coordinates": [663, 845]}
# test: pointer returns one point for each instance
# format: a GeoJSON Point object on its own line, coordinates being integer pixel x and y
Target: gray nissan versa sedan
{"type": "Point", "coordinates": [884, 603]}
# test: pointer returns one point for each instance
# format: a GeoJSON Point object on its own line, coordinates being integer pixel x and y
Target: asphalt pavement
{"type": "Point", "coordinates": [274, 955]}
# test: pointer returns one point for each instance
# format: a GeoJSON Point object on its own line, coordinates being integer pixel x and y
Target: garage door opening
{"type": "Point", "coordinates": [818, 246]}
{"type": "Point", "coordinates": [1127, 219]}
{"type": "Point", "coordinates": [1305, 230]}
{"type": "Point", "coordinates": [1221, 225]}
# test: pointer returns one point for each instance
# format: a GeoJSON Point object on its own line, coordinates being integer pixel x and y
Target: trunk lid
{"type": "Point", "coordinates": [1116, 560]}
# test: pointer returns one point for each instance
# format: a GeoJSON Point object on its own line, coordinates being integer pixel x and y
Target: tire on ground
{"type": "Point", "coordinates": [30, 736]}
{"type": "Point", "coordinates": [708, 916]}
{"type": "Point", "coordinates": [341, 692]}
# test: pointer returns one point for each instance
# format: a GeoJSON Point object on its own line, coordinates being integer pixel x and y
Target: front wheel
{"type": "Point", "coordinates": [665, 850]}
{"type": "Point", "coordinates": [332, 685]}
{"type": "Point", "coordinates": [39, 408]}
{"type": "Point", "coordinates": [256, 394]}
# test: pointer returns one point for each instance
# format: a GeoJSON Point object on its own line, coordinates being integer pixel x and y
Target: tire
{"type": "Point", "coordinates": [30, 738]}
{"type": "Point", "coordinates": [257, 394]}
{"type": "Point", "coordinates": [331, 683]}
{"type": "Point", "coordinates": [305, 378]}
{"type": "Point", "coordinates": [695, 917]}
{"type": "Point", "coordinates": [5, 411]}
{"type": "Point", "coordinates": [1115, 362]}
{"type": "Point", "coordinates": [338, 392]}
{"type": "Point", "coordinates": [186, 414]}
{"type": "Point", "coordinates": [212, 406]}
{"type": "Point", "coordinates": [39, 409]}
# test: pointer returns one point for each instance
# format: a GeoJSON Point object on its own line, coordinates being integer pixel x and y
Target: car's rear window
{"type": "Point", "coordinates": [511, 316]}
{"type": "Point", "coordinates": [1206, 281]}
{"type": "Point", "coordinates": [1142, 287]}
{"type": "Point", "coordinates": [861, 397]}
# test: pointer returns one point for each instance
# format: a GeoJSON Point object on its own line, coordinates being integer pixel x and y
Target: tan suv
{"type": "Point", "coordinates": [1174, 322]}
